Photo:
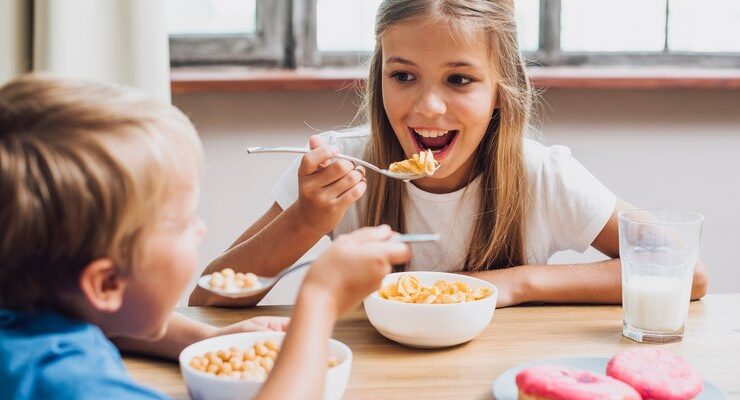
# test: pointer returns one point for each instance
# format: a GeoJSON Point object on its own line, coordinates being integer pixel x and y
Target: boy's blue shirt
{"type": "Point", "coordinates": [50, 356]}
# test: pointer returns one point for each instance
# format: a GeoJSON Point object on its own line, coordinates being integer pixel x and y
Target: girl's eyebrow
{"type": "Point", "coordinates": [452, 64]}
{"type": "Point", "coordinates": [399, 60]}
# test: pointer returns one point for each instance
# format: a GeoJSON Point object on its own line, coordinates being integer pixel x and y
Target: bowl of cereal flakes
{"type": "Point", "coordinates": [235, 366]}
{"type": "Point", "coordinates": [431, 309]}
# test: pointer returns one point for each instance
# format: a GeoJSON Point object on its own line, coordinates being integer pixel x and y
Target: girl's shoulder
{"type": "Point", "coordinates": [542, 159]}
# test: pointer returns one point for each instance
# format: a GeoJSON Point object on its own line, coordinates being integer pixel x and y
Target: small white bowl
{"type": "Point", "coordinates": [431, 325]}
{"type": "Point", "coordinates": [203, 386]}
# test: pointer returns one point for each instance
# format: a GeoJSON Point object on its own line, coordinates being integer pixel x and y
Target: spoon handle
{"type": "Point", "coordinates": [293, 268]}
{"type": "Point", "coordinates": [405, 238]}
{"type": "Point", "coordinates": [303, 150]}
{"type": "Point", "coordinates": [415, 237]}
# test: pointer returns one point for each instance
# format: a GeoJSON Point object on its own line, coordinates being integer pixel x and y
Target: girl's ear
{"type": "Point", "coordinates": [102, 285]}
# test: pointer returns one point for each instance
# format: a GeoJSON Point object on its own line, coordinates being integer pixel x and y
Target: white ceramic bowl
{"type": "Point", "coordinates": [203, 386]}
{"type": "Point", "coordinates": [431, 325]}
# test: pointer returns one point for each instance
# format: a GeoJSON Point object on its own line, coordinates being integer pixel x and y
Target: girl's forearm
{"type": "Point", "coordinates": [300, 369]}
{"type": "Point", "coordinates": [592, 283]}
{"type": "Point", "coordinates": [278, 245]}
{"type": "Point", "coordinates": [581, 283]}
{"type": "Point", "coordinates": [275, 247]}
{"type": "Point", "coordinates": [181, 332]}
{"type": "Point", "coordinates": [598, 283]}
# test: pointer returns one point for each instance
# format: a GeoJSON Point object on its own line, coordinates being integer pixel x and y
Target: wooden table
{"type": "Point", "coordinates": [385, 370]}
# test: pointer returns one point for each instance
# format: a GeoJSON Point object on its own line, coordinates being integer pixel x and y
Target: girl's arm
{"type": "Point", "coordinates": [326, 190]}
{"type": "Point", "coordinates": [599, 282]}
{"type": "Point", "coordinates": [274, 242]}
{"type": "Point", "coordinates": [594, 283]}
{"type": "Point", "coordinates": [183, 331]}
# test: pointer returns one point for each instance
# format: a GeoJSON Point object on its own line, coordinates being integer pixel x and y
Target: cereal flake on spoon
{"type": "Point", "coordinates": [422, 163]}
{"type": "Point", "coordinates": [229, 281]}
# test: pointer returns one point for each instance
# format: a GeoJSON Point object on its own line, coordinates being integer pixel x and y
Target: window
{"type": "Point", "coordinates": [612, 26]}
{"type": "Point", "coordinates": [294, 33]}
{"type": "Point", "coordinates": [227, 31]}
{"type": "Point", "coordinates": [711, 26]}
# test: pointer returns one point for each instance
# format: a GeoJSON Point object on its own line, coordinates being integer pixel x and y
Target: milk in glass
{"type": "Point", "coordinates": [656, 303]}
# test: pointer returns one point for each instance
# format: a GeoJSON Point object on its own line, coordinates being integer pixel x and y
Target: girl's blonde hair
{"type": "Point", "coordinates": [84, 169]}
{"type": "Point", "coordinates": [498, 238]}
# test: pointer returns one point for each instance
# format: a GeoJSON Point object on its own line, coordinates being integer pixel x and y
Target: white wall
{"type": "Point", "coordinates": [652, 148]}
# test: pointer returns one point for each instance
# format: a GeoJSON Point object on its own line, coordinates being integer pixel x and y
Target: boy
{"type": "Point", "coordinates": [98, 192]}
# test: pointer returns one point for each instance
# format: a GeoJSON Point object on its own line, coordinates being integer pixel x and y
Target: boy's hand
{"type": "Point", "coordinates": [355, 265]}
{"type": "Point", "coordinates": [326, 188]}
{"type": "Point", "coordinates": [255, 324]}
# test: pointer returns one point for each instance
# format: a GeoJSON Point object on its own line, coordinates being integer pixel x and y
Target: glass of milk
{"type": "Point", "coordinates": [658, 249]}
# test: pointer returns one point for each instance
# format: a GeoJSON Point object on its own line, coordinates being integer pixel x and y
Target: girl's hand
{"type": "Point", "coordinates": [506, 296]}
{"type": "Point", "coordinates": [354, 266]}
{"type": "Point", "coordinates": [509, 282]}
{"type": "Point", "coordinates": [326, 188]}
{"type": "Point", "coordinates": [255, 324]}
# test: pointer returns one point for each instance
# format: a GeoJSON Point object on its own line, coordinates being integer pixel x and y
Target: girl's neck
{"type": "Point", "coordinates": [454, 182]}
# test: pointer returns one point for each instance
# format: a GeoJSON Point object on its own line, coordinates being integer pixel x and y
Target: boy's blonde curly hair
{"type": "Point", "coordinates": [84, 168]}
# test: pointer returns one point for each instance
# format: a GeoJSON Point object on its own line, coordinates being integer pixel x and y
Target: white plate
{"type": "Point", "coordinates": [504, 387]}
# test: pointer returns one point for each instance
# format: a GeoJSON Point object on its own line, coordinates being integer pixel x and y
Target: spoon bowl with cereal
{"type": "Point", "coordinates": [419, 166]}
{"type": "Point", "coordinates": [248, 286]}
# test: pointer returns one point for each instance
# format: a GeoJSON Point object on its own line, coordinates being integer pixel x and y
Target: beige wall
{"type": "Point", "coordinates": [652, 148]}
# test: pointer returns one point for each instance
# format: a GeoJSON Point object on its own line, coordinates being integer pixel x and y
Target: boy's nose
{"type": "Point", "coordinates": [200, 228]}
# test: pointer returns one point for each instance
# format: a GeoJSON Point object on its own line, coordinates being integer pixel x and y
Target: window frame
{"type": "Point", "coordinates": [286, 37]}
{"type": "Point", "coordinates": [265, 47]}
{"type": "Point", "coordinates": [307, 53]}
{"type": "Point", "coordinates": [551, 55]}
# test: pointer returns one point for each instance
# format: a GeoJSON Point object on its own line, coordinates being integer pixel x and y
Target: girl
{"type": "Point", "coordinates": [447, 75]}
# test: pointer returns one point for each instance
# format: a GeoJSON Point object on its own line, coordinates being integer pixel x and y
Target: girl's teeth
{"type": "Point", "coordinates": [430, 132]}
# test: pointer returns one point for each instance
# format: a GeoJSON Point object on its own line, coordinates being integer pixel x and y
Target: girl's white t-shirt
{"type": "Point", "coordinates": [568, 208]}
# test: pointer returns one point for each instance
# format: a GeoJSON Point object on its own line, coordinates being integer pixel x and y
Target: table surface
{"type": "Point", "coordinates": [383, 369]}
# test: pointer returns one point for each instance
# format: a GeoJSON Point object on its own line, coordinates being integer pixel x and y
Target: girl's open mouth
{"type": "Point", "coordinates": [436, 140]}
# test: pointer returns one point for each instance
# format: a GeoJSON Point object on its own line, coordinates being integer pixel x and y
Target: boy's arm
{"type": "Point", "coordinates": [183, 331]}
{"type": "Point", "coordinates": [347, 272]}
{"type": "Point", "coordinates": [299, 371]}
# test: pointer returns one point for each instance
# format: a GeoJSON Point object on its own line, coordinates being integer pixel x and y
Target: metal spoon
{"type": "Point", "coordinates": [266, 283]}
{"type": "Point", "coordinates": [395, 175]}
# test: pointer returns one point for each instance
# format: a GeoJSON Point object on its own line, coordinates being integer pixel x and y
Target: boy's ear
{"type": "Point", "coordinates": [102, 285]}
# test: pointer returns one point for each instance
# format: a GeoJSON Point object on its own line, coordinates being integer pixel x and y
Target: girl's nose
{"type": "Point", "coordinates": [431, 104]}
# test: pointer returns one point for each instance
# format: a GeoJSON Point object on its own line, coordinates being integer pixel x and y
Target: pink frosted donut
{"type": "Point", "coordinates": [552, 382]}
{"type": "Point", "coordinates": [657, 374]}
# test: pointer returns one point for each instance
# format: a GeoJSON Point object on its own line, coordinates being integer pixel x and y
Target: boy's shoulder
{"type": "Point", "coordinates": [47, 355]}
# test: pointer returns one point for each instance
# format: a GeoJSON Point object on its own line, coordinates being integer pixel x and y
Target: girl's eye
{"type": "Point", "coordinates": [403, 76]}
{"type": "Point", "coordinates": [459, 80]}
